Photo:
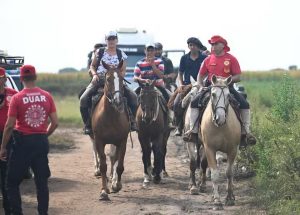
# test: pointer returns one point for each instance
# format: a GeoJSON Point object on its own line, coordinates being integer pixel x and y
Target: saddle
{"type": "Point", "coordinates": [202, 98]}
{"type": "Point", "coordinates": [183, 92]}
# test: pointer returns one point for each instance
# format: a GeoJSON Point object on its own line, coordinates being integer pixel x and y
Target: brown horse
{"type": "Point", "coordinates": [110, 123]}
{"type": "Point", "coordinates": [220, 131]}
{"type": "Point", "coordinates": [153, 132]}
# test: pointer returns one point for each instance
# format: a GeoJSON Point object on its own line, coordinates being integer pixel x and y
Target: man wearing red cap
{"type": "Point", "coordinates": [28, 113]}
{"type": "Point", "coordinates": [223, 64]}
{"type": "Point", "coordinates": [5, 98]}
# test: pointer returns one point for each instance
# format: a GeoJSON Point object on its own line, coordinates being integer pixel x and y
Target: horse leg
{"type": "Point", "coordinates": [192, 151]}
{"type": "Point", "coordinates": [229, 173]}
{"type": "Point", "coordinates": [119, 167]}
{"type": "Point", "coordinates": [146, 150]}
{"type": "Point", "coordinates": [203, 168]}
{"type": "Point", "coordinates": [165, 141]}
{"type": "Point", "coordinates": [158, 158]}
{"type": "Point", "coordinates": [103, 169]}
{"type": "Point", "coordinates": [215, 177]}
{"type": "Point", "coordinates": [96, 160]}
{"type": "Point", "coordinates": [113, 158]}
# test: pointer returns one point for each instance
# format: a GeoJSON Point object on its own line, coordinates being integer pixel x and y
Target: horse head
{"type": "Point", "coordinates": [149, 101]}
{"type": "Point", "coordinates": [220, 99]}
{"type": "Point", "coordinates": [113, 89]}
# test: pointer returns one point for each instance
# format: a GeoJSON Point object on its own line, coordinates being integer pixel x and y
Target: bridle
{"type": "Point", "coordinates": [217, 106]}
{"type": "Point", "coordinates": [155, 115]}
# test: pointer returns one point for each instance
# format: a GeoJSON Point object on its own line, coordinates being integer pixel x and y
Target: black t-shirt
{"type": "Point", "coordinates": [189, 67]}
{"type": "Point", "coordinates": [168, 65]}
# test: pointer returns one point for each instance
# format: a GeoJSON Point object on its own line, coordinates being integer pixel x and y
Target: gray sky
{"type": "Point", "coordinates": [53, 34]}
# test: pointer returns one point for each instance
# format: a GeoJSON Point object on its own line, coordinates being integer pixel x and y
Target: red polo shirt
{"type": "Point", "coordinates": [223, 66]}
{"type": "Point", "coordinates": [32, 107]}
{"type": "Point", "coordinates": [4, 109]}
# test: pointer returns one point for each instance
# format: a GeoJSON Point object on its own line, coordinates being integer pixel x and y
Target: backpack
{"type": "Point", "coordinates": [101, 53]}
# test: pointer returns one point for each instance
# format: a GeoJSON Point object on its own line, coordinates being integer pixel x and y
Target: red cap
{"type": "Point", "coordinates": [27, 70]}
{"type": "Point", "coordinates": [2, 72]}
{"type": "Point", "coordinates": [219, 39]}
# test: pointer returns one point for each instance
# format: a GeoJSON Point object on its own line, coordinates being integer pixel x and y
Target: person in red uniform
{"type": "Point", "coordinates": [223, 64]}
{"type": "Point", "coordinates": [5, 98]}
{"type": "Point", "coordinates": [28, 115]}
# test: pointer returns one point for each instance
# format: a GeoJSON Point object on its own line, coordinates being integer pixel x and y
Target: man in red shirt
{"type": "Point", "coordinates": [223, 64]}
{"type": "Point", "coordinates": [5, 98]}
{"type": "Point", "coordinates": [28, 113]}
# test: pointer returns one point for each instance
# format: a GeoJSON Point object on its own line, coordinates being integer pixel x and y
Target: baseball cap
{"type": "Point", "coordinates": [27, 70]}
{"type": "Point", "coordinates": [158, 45]}
{"type": "Point", "coordinates": [148, 45]}
{"type": "Point", "coordinates": [2, 72]}
{"type": "Point", "coordinates": [111, 34]}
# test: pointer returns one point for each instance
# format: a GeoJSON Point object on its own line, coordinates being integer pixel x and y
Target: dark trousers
{"type": "Point", "coordinates": [28, 151]}
{"type": "Point", "coordinates": [132, 100]}
{"type": "Point", "coordinates": [244, 104]}
{"type": "Point", "coordinates": [3, 170]}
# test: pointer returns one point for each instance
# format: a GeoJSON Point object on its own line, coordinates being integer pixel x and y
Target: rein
{"type": "Point", "coordinates": [157, 107]}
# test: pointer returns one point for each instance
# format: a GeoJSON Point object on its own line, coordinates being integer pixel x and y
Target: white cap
{"type": "Point", "coordinates": [111, 34]}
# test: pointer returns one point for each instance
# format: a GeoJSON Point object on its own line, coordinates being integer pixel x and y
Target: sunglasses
{"type": "Point", "coordinates": [111, 38]}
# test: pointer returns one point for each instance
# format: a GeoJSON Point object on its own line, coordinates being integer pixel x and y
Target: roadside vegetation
{"type": "Point", "coordinates": [275, 159]}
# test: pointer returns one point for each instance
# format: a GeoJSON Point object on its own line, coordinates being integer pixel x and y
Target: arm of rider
{"type": "Point", "coordinates": [8, 129]}
{"type": "Point", "coordinates": [157, 70]}
{"type": "Point", "coordinates": [236, 78]}
{"type": "Point", "coordinates": [139, 79]}
{"type": "Point", "coordinates": [93, 71]}
{"type": "Point", "coordinates": [53, 123]}
{"type": "Point", "coordinates": [180, 79]}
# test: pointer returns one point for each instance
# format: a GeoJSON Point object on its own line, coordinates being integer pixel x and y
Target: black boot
{"type": "Point", "coordinates": [86, 120]}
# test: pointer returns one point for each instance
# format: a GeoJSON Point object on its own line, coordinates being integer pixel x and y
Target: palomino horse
{"type": "Point", "coordinates": [110, 125]}
{"type": "Point", "coordinates": [153, 132]}
{"type": "Point", "coordinates": [220, 131]}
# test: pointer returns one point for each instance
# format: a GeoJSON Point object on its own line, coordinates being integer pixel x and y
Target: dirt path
{"type": "Point", "coordinates": [74, 189]}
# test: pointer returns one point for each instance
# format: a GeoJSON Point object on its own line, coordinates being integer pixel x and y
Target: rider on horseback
{"type": "Point", "coordinates": [152, 68]}
{"type": "Point", "coordinates": [223, 64]}
{"type": "Point", "coordinates": [170, 74]}
{"type": "Point", "coordinates": [110, 55]}
{"type": "Point", "coordinates": [189, 66]}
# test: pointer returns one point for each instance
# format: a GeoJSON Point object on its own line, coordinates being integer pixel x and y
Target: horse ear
{"type": "Point", "coordinates": [228, 80]}
{"type": "Point", "coordinates": [106, 66]}
{"type": "Point", "coordinates": [214, 79]}
{"type": "Point", "coordinates": [120, 64]}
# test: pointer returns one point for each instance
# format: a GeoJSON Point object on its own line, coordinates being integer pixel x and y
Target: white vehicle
{"type": "Point", "coordinates": [11, 83]}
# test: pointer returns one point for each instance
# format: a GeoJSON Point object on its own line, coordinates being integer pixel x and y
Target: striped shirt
{"type": "Point", "coordinates": [144, 70]}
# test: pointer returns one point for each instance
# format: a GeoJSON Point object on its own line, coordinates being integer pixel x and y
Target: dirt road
{"type": "Point", "coordinates": [74, 189]}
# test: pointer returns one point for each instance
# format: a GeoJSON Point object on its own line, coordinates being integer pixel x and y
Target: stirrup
{"type": "Point", "coordinates": [251, 140]}
{"type": "Point", "coordinates": [87, 130]}
{"type": "Point", "coordinates": [190, 137]}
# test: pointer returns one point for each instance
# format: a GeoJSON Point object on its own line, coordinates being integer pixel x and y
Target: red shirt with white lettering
{"type": "Point", "coordinates": [32, 107]}
{"type": "Point", "coordinates": [223, 66]}
{"type": "Point", "coordinates": [8, 93]}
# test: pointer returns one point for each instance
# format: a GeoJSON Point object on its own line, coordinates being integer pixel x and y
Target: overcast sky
{"type": "Point", "coordinates": [53, 34]}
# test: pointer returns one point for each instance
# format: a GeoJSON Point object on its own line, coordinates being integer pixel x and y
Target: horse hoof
{"type": "Point", "coordinates": [165, 174]}
{"type": "Point", "coordinates": [156, 179]}
{"type": "Point", "coordinates": [104, 196]}
{"type": "Point", "coordinates": [194, 191]}
{"type": "Point", "coordinates": [218, 206]}
{"type": "Point", "coordinates": [116, 187]}
{"type": "Point", "coordinates": [146, 184]}
{"type": "Point", "coordinates": [97, 173]}
{"type": "Point", "coordinates": [202, 188]}
{"type": "Point", "coordinates": [229, 202]}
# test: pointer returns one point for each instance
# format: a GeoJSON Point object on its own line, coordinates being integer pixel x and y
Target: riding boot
{"type": "Point", "coordinates": [86, 120]}
{"type": "Point", "coordinates": [247, 137]}
{"type": "Point", "coordinates": [192, 134]}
